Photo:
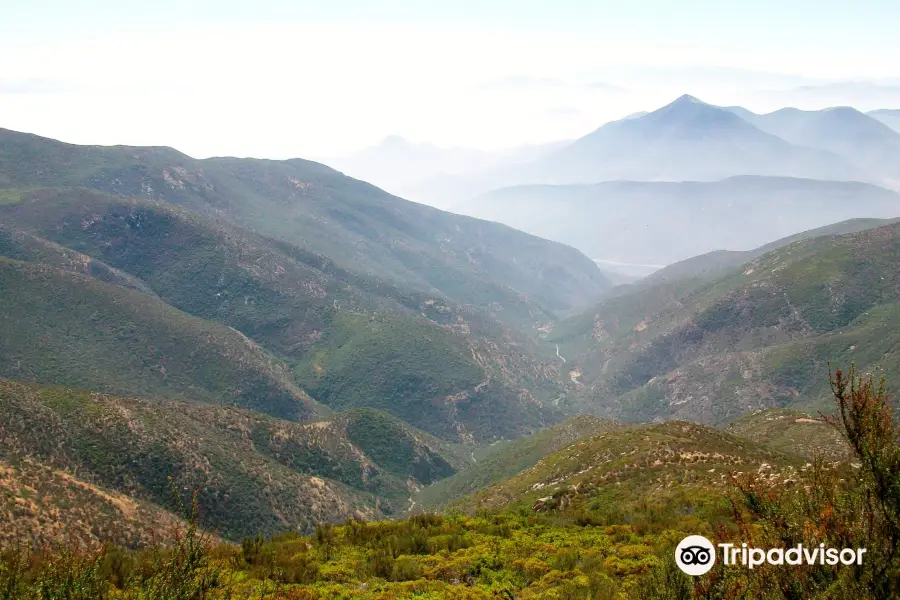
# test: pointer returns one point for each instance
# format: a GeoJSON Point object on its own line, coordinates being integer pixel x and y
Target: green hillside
{"type": "Point", "coordinates": [65, 328]}
{"type": "Point", "coordinates": [671, 468]}
{"type": "Point", "coordinates": [24, 246]}
{"type": "Point", "coordinates": [758, 337]}
{"type": "Point", "coordinates": [271, 291]}
{"type": "Point", "coordinates": [428, 377]}
{"type": "Point", "coordinates": [256, 474]}
{"type": "Point", "coordinates": [350, 340]}
{"type": "Point", "coordinates": [402, 450]}
{"type": "Point", "coordinates": [722, 261]}
{"type": "Point", "coordinates": [792, 432]}
{"type": "Point", "coordinates": [505, 459]}
{"type": "Point", "coordinates": [626, 306]}
{"type": "Point", "coordinates": [598, 515]}
{"type": "Point", "coordinates": [520, 278]}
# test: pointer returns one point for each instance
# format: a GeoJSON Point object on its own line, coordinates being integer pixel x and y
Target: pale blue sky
{"type": "Point", "coordinates": [315, 78]}
{"type": "Point", "coordinates": [784, 22]}
{"type": "Point", "coordinates": [661, 14]}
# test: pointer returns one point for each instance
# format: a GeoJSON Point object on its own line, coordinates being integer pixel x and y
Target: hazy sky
{"type": "Point", "coordinates": [297, 78]}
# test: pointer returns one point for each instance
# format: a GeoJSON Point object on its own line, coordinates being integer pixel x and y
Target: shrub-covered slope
{"type": "Point", "coordinates": [42, 503]}
{"type": "Point", "coordinates": [505, 459]}
{"type": "Point", "coordinates": [720, 262]}
{"type": "Point", "coordinates": [255, 474]}
{"type": "Point", "coordinates": [66, 328]}
{"type": "Point", "coordinates": [668, 465]}
{"type": "Point", "coordinates": [792, 432]}
{"type": "Point", "coordinates": [350, 340]}
{"type": "Point", "coordinates": [21, 245]}
{"type": "Point", "coordinates": [760, 336]}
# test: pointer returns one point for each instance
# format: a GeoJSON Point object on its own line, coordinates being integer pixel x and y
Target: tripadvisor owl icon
{"type": "Point", "coordinates": [695, 555]}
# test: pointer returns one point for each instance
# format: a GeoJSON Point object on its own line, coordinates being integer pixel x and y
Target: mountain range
{"type": "Point", "coordinates": [303, 348]}
{"type": "Point", "coordinates": [690, 140]}
{"type": "Point", "coordinates": [687, 140]}
{"type": "Point", "coordinates": [632, 179]}
{"type": "Point", "coordinates": [861, 140]}
{"type": "Point", "coordinates": [690, 178]}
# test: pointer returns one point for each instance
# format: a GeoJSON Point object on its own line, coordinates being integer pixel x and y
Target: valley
{"type": "Point", "coordinates": [312, 384]}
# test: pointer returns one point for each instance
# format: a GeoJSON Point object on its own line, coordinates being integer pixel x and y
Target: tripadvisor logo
{"type": "Point", "coordinates": [696, 555]}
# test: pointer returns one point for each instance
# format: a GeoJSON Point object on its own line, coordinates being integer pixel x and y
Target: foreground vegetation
{"type": "Point", "coordinates": [507, 555]}
{"type": "Point", "coordinates": [578, 550]}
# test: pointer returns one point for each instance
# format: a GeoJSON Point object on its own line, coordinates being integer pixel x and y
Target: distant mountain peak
{"type": "Point", "coordinates": [688, 99]}
{"type": "Point", "coordinates": [790, 110]}
{"type": "Point", "coordinates": [395, 141]}
{"type": "Point", "coordinates": [685, 105]}
{"type": "Point", "coordinates": [843, 110]}
{"type": "Point", "coordinates": [691, 115]}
